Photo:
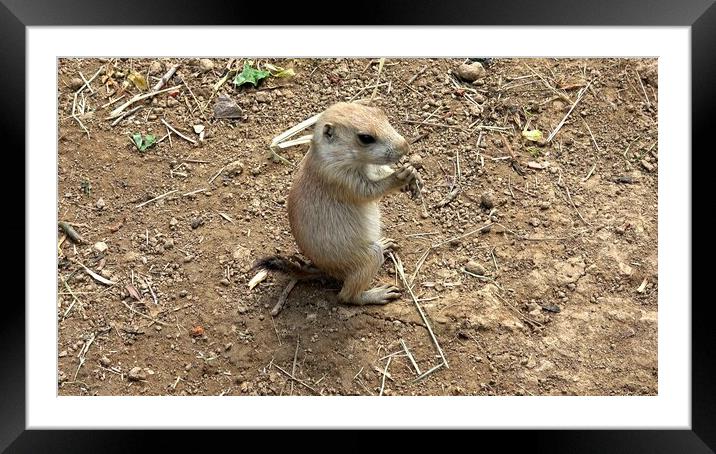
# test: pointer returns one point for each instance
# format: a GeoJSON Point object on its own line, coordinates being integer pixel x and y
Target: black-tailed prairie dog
{"type": "Point", "coordinates": [333, 201]}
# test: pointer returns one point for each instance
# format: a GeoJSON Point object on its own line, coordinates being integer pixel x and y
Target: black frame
{"type": "Point", "coordinates": [15, 15]}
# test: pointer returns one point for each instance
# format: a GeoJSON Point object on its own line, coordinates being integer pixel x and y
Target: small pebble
{"type": "Point", "coordinates": [196, 222]}
{"type": "Point", "coordinates": [206, 65]}
{"type": "Point", "coordinates": [183, 293]}
{"type": "Point", "coordinates": [263, 97]}
{"type": "Point", "coordinates": [648, 166]}
{"type": "Point", "coordinates": [135, 374]}
{"type": "Point", "coordinates": [155, 67]}
{"type": "Point", "coordinates": [76, 83]}
{"type": "Point", "coordinates": [105, 361]}
{"type": "Point", "coordinates": [475, 268]}
{"type": "Point", "coordinates": [534, 222]}
{"type": "Point", "coordinates": [487, 200]}
{"type": "Point", "coordinates": [470, 72]}
{"type": "Point", "coordinates": [416, 161]}
{"type": "Point", "coordinates": [225, 107]}
{"type": "Point", "coordinates": [100, 246]}
{"type": "Point", "coordinates": [100, 204]}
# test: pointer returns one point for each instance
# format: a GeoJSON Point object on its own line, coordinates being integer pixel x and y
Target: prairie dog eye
{"type": "Point", "coordinates": [366, 139]}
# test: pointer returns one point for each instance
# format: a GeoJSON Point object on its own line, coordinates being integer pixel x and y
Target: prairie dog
{"type": "Point", "coordinates": [333, 201]}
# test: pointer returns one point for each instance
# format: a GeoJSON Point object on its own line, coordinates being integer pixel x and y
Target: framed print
{"type": "Point", "coordinates": [459, 217]}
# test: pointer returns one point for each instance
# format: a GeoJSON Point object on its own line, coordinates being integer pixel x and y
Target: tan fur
{"type": "Point", "coordinates": [333, 202]}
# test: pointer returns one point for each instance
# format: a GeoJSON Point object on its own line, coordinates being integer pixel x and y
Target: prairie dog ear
{"type": "Point", "coordinates": [328, 131]}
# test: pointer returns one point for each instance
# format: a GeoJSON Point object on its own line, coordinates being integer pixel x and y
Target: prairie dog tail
{"type": "Point", "coordinates": [289, 267]}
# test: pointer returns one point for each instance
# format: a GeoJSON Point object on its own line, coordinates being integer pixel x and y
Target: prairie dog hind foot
{"type": "Point", "coordinates": [383, 294]}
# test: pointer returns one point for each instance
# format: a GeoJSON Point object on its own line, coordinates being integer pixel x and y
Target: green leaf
{"type": "Point", "coordinates": [250, 75]}
{"type": "Point", "coordinates": [142, 143]}
{"type": "Point", "coordinates": [149, 140]}
{"type": "Point", "coordinates": [277, 71]}
{"type": "Point", "coordinates": [137, 139]}
{"type": "Point", "coordinates": [535, 135]}
{"type": "Point", "coordinates": [138, 80]}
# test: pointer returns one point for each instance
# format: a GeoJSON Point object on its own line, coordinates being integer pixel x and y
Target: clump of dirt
{"type": "Point", "coordinates": [548, 285]}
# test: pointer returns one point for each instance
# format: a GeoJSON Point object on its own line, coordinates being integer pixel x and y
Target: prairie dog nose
{"type": "Point", "coordinates": [402, 147]}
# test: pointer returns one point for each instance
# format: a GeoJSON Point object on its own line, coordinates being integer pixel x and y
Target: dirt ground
{"type": "Point", "coordinates": [549, 289]}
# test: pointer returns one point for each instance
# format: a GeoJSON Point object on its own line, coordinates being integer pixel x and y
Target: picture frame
{"type": "Point", "coordinates": [16, 15]}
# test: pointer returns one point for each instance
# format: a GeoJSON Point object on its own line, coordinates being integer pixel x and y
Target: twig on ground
{"type": "Point", "coordinates": [157, 198]}
{"type": "Point", "coordinates": [103, 106]}
{"type": "Point", "coordinates": [188, 139]}
{"type": "Point", "coordinates": [394, 257]}
{"type": "Point", "coordinates": [276, 331]}
{"type": "Point", "coordinates": [569, 196]}
{"type": "Point", "coordinates": [594, 141]}
{"type": "Point", "coordinates": [638, 77]}
{"type": "Point", "coordinates": [410, 357]}
{"type": "Point", "coordinates": [590, 173]}
{"type": "Point", "coordinates": [226, 216]}
{"type": "Point", "coordinates": [385, 373]}
{"type": "Point", "coordinates": [513, 157]}
{"type": "Point", "coordinates": [165, 78]}
{"type": "Point", "coordinates": [283, 297]}
{"type": "Point", "coordinates": [300, 382]}
{"type": "Point", "coordinates": [194, 192]}
{"type": "Point", "coordinates": [118, 111]}
{"type": "Point", "coordinates": [88, 82]}
{"type": "Point", "coordinates": [418, 74]}
{"type": "Point", "coordinates": [74, 236]}
{"type": "Point", "coordinates": [125, 115]}
{"type": "Point", "coordinates": [377, 79]}
{"type": "Point", "coordinates": [74, 300]}
{"type": "Point", "coordinates": [154, 296]}
{"type": "Point", "coordinates": [561, 123]}
{"type": "Point", "coordinates": [428, 372]}
{"type": "Point", "coordinates": [550, 87]}
{"type": "Point", "coordinates": [295, 357]}
{"type": "Point", "coordinates": [82, 355]}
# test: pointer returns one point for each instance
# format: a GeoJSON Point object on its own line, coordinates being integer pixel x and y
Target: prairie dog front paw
{"type": "Point", "coordinates": [410, 179]}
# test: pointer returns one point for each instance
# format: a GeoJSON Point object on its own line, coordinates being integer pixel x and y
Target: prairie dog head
{"type": "Point", "coordinates": [355, 133]}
